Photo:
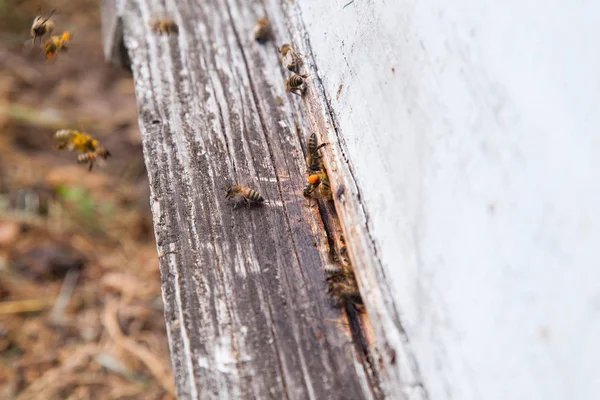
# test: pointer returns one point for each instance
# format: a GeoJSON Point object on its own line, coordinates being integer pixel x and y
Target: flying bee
{"type": "Point", "coordinates": [91, 156]}
{"type": "Point", "coordinates": [74, 140]}
{"type": "Point", "coordinates": [295, 84]}
{"type": "Point", "coordinates": [56, 43]}
{"type": "Point", "coordinates": [290, 59]}
{"type": "Point", "coordinates": [163, 26]}
{"type": "Point", "coordinates": [41, 26]}
{"type": "Point", "coordinates": [243, 194]}
{"type": "Point", "coordinates": [313, 159]}
{"type": "Point", "coordinates": [262, 30]}
{"type": "Point", "coordinates": [77, 141]}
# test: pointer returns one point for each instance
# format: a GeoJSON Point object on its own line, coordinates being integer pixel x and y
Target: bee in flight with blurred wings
{"type": "Point", "coordinates": [89, 149]}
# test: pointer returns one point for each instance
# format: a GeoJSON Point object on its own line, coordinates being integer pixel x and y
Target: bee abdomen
{"type": "Point", "coordinates": [312, 143]}
{"type": "Point", "coordinates": [296, 81]}
{"type": "Point", "coordinates": [254, 196]}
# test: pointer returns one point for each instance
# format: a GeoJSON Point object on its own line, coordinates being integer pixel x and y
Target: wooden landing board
{"type": "Point", "coordinates": [244, 291]}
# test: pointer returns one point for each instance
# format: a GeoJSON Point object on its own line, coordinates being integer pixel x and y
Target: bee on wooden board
{"type": "Point", "coordinates": [295, 84]}
{"type": "Point", "coordinates": [56, 43]}
{"type": "Point", "coordinates": [342, 285]}
{"type": "Point", "coordinates": [91, 156]}
{"type": "Point", "coordinates": [42, 26]}
{"type": "Point", "coordinates": [242, 194]}
{"type": "Point", "coordinates": [290, 59]}
{"type": "Point", "coordinates": [320, 182]}
{"type": "Point", "coordinates": [163, 26]}
{"type": "Point", "coordinates": [263, 31]}
{"type": "Point", "coordinates": [313, 159]}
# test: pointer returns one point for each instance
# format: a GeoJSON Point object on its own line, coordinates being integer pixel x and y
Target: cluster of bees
{"type": "Point", "coordinates": [42, 26]}
{"type": "Point", "coordinates": [342, 285]}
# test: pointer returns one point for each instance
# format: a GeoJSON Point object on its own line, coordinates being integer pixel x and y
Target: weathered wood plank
{"type": "Point", "coordinates": [245, 301]}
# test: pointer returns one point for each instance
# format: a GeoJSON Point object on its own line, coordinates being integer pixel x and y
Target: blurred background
{"type": "Point", "coordinates": [80, 303]}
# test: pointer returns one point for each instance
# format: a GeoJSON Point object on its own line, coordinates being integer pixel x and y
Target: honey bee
{"type": "Point", "coordinates": [342, 285]}
{"type": "Point", "coordinates": [243, 194]}
{"type": "Point", "coordinates": [41, 26]}
{"type": "Point", "coordinates": [313, 159]}
{"type": "Point", "coordinates": [262, 30]}
{"type": "Point", "coordinates": [91, 156]}
{"type": "Point", "coordinates": [290, 59]}
{"type": "Point", "coordinates": [295, 84]}
{"type": "Point", "coordinates": [56, 43]}
{"type": "Point", "coordinates": [319, 181]}
{"type": "Point", "coordinates": [77, 141]}
{"type": "Point", "coordinates": [163, 26]}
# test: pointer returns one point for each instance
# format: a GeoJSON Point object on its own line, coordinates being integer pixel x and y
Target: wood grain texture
{"type": "Point", "coordinates": [245, 302]}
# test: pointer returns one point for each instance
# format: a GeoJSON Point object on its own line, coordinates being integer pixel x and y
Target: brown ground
{"type": "Point", "coordinates": [80, 304]}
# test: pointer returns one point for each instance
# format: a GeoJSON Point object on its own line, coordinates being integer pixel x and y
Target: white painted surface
{"type": "Point", "coordinates": [478, 160]}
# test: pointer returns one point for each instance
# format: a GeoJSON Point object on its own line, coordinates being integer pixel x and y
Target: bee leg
{"type": "Point", "coordinates": [320, 146]}
{"type": "Point", "coordinates": [91, 165]}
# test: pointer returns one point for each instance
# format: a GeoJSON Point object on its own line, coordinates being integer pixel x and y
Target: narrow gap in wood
{"type": "Point", "coordinates": [332, 226]}
{"type": "Point", "coordinates": [333, 230]}
{"type": "Point", "coordinates": [362, 344]}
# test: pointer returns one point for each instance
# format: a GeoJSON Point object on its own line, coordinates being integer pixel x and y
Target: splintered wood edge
{"type": "Point", "coordinates": [397, 368]}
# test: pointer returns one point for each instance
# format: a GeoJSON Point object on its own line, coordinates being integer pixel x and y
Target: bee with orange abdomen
{"type": "Point", "coordinates": [42, 26]}
{"type": "Point", "coordinates": [243, 194]}
{"type": "Point", "coordinates": [163, 26]}
{"type": "Point", "coordinates": [56, 43]}
{"type": "Point", "coordinates": [313, 159]}
{"type": "Point", "coordinates": [290, 59]}
{"type": "Point", "coordinates": [295, 84]}
{"type": "Point", "coordinates": [262, 30]}
{"type": "Point", "coordinates": [91, 156]}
